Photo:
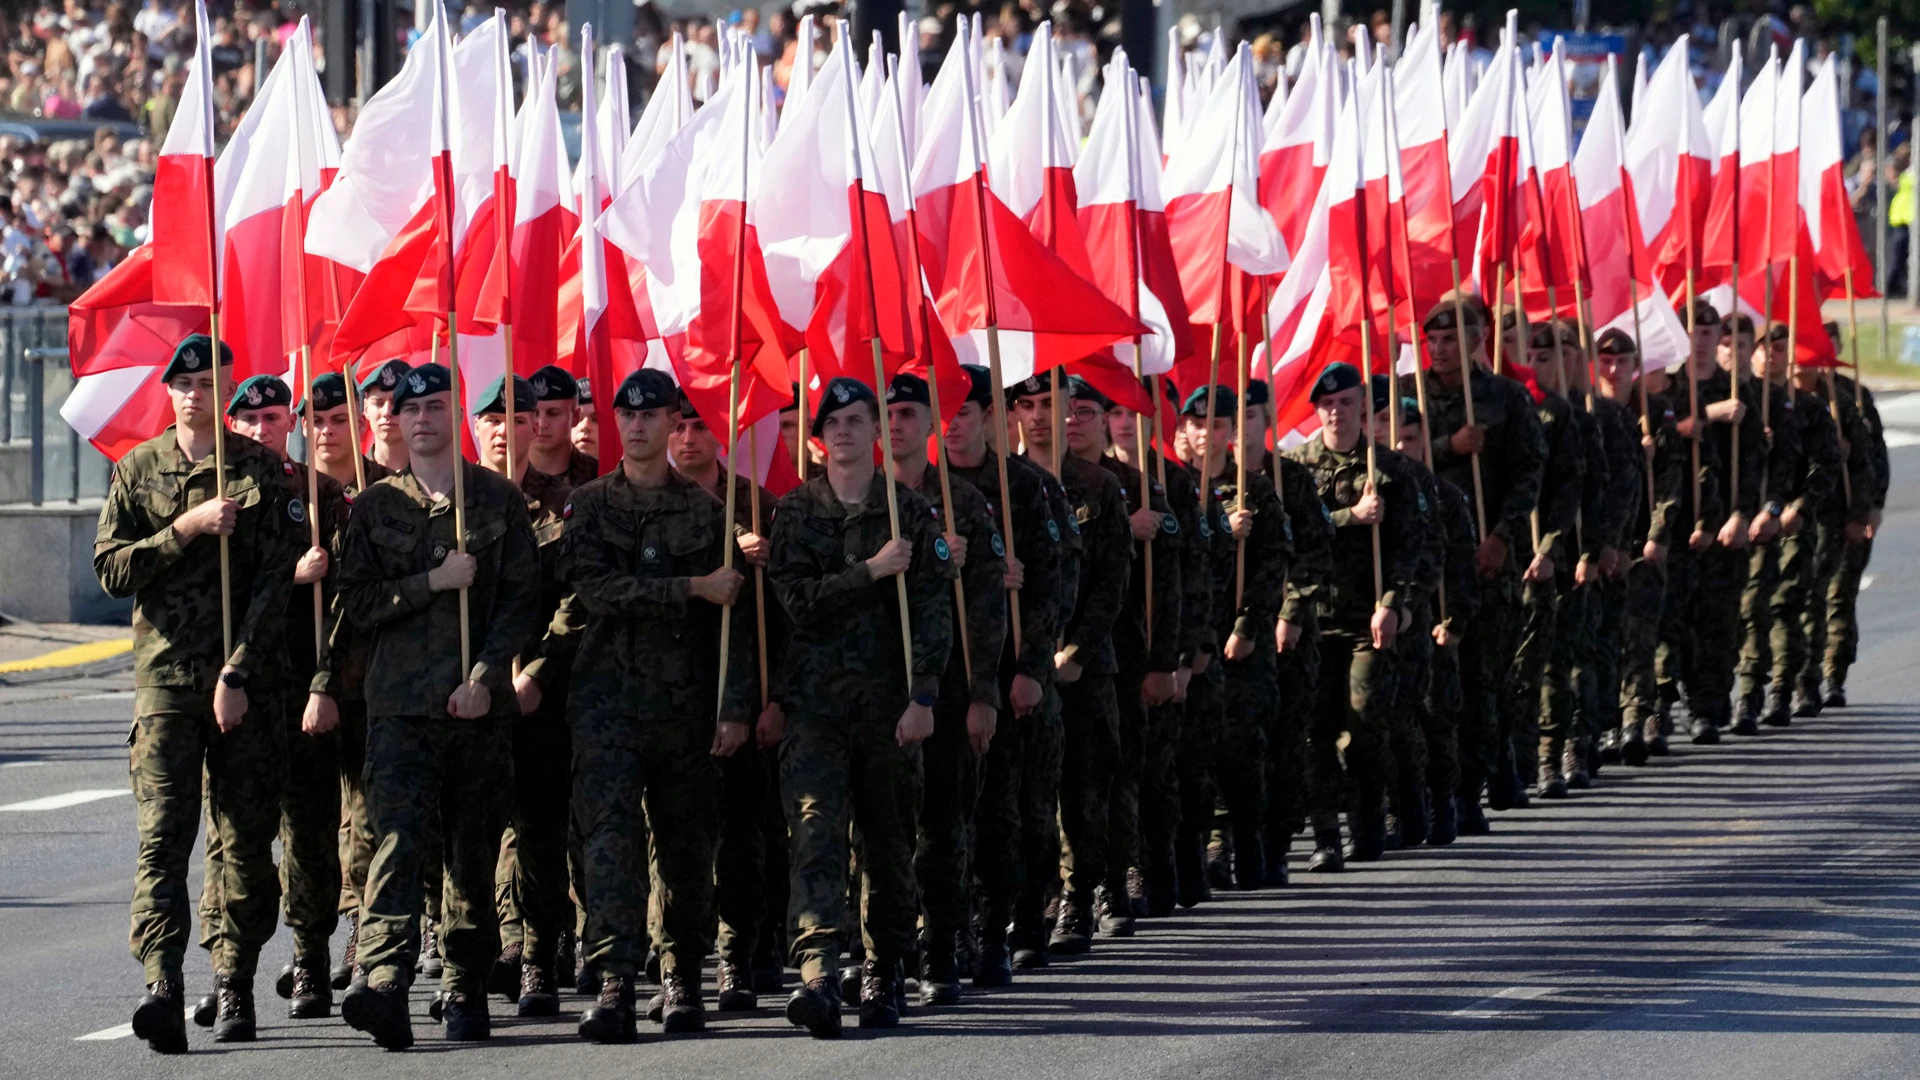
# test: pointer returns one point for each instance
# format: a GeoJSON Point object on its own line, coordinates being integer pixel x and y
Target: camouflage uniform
{"type": "Point", "coordinates": [1139, 649]}
{"type": "Point", "coordinates": [1013, 839]}
{"type": "Point", "coordinates": [1843, 591]}
{"type": "Point", "coordinates": [1346, 602]}
{"type": "Point", "coordinates": [1804, 452]}
{"type": "Point", "coordinates": [1441, 702]}
{"type": "Point", "coordinates": [1297, 670]}
{"type": "Point", "coordinates": [1554, 534]}
{"type": "Point", "coordinates": [177, 635]}
{"type": "Point", "coordinates": [1165, 774]}
{"type": "Point", "coordinates": [1714, 615]}
{"type": "Point", "coordinates": [840, 764]}
{"type": "Point", "coordinates": [1635, 603]}
{"type": "Point", "coordinates": [1249, 688]}
{"type": "Point", "coordinates": [1413, 736]}
{"type": "Point", "coordinates": [1848, 502]}
{"type": "Point", "coordinates": [1512, 466]}
{"type": "Point", "coordinates": [1577, 662]}
{"type": "Point", "coordinates": [424, 766]}
{"type": "Point", "coordinates": [628, 553]}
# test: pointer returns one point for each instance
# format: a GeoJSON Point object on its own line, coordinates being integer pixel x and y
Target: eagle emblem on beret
{"type": "Point", "coordinates": [418, 383]}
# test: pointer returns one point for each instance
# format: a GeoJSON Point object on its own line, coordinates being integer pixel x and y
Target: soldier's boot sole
{"type": "Point", "coordinates": [683, 1020]}
{"type": "Point", "coordinates": [806, 1010]}
{"type": "Point", "coordinates": [939, 993]}
{"type": "Point", "coordinates": [161, 1023]}
{"type": "Point", "coordinates": [240, 1029]}
{"type": "Point", "coordinates": [608, 1026]}
{"type": "Point", "coordinates": [283, 984]}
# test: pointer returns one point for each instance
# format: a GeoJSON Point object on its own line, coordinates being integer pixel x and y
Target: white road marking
{"type": "Point", "coordinates": [1866, 582]}
{"type": "Point", "coordinates": [1502, 1001]}
{"type": "Point", "coordinates": [71, 798]}
{"type": "Point", "coordinates": [1897, 438]}
{"type": "Point", "coordinates": [110, 695]}
{"type": "Point", "coordinates": [119, 1031]}
{"type": "Point", "coordinates": [20, 764]}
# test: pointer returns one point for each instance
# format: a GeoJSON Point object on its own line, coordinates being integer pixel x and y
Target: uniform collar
{"type": "Point", "coordinates": [827, 503]}
{"type": "Point", "coordinates": [623, 493]}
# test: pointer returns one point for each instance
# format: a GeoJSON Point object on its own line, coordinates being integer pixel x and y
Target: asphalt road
{"type": "Point", "coordinates": [1750, 909]}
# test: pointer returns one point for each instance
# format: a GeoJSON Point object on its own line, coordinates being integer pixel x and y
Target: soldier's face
{"type": "Point", "coordinates": [268, 426]}
{"type": "Point", "coordinates": [192, 398]}
{"type": "Point", "coordinates": [850, 435]}
{"type": "Point", "coordinates": [1341, 418]}
{"type": "Point", "coordinates": [1205, 441]}
{"type": "Point", "coordinates": [1616, 370]}
{"type": "Point", "coordinates": [332, 438]}
{"type": "Point", "coordinates": [1086, 428]}
{"type": "Point", "coordinates": [1411, 444]}
{"type": "Point", "coordinates": [1253, 441]}
{"type": "Point", "coordinates": [377, 405]}
{"type": "Point", "coordinates": [586, 434]}
{"type": "Point", "coordinates": [1731, 346]}
{"type": "Point", "coordinates": [790, 432]}
{"type": "Point", "coordinates": [1706, 342]}
{"type": "Point", "coordinates": [645, 433]}
{"type": "Point", "coordinates": [490, 429]}
{"type": "Point", "coordinates": [552, 424]}
{"type": "Point", "coordinates": [1443, 351]}
{"type": "Point", "coordinates": [1035, 413]}
{"type": "Point", "coordinates": [427, 424]}
{"type": "Point", "coordinates": [693, 446]}
{"type": "Point", "coordinates": [909, 426]}
{"type": "Point", "coordinates": [1121, 426]}
{"type": "Point", "coordinates": [1383, 428]}
{"type": "Point", "coordinates": [1772, 361]}
{"type": "Point", "coordinates": [967, 431]}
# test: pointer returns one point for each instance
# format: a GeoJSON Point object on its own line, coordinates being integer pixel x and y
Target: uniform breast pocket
{"type": "Point", "coordinates": [684, 546]}
{"type": "Point", "coordinates": [158, 500]}
{"type": "Point", "coordinates": [398, 547]}
{"type": "Point", "coordinates": [483, 535]}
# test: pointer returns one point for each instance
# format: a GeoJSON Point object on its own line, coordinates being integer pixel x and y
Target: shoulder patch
{"type": "Point", "coordinates": [1169, 524]}
{"type": "Point", "coordinates": [940, 549]}
{"type": "Point", "coordinates": [1074, 524]}
{"type": "Point", "coordinates": [1206, 528]}
{"type": "Point", "coordinates": [1326, 514]}
{"type": "Point", "coordinates": [1053, 530]}
{"type": "Point", "coordinates": [1421, 498]}
{"type": "Point", "coordinates": [566, 512]}
{"type": "Point", "coordinates": [285, 466]}
{"type": "Point", "coordinates": [297, 510]}
{"type": "Point", "coordinates": [998, 545]}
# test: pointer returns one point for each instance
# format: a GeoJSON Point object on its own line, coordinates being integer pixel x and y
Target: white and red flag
{"type": "Point", "coordinates": [186, 229]}
{"type": "Point", "coordinates": [1841, 266]}
{"type": "Point", "coordinates": [1669, 159]}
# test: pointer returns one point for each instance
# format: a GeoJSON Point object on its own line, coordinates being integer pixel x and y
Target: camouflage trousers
{"type": "Point", "coordinates": [949, 794]}
{"type": "Point", "coordinates": [1486, 647]}
{"type": "Point", "coordinates": [1773, 643]}
{"type": "Point", "coordinates": [310, 855]}
{"type": "Point", "coordinates": [1843, 621]}
{"type": "Point", "coordinates": [1636, 611]}
{"type": "Point", "coordinates": [1089, 762]}
{"type": "Point", "coordinates": [1417, 736]}
{"type": "Point", "coordinates": [1440, 718]}
{"type": "Point", "coordinates": [750, 867]}
{"type": "Point", "coordinates": [1159, 799]}
{"type": "Point", "coordinates": [1201, 723]}
{"type": "Point", "coordinates": [1715, 611]}
{"type": "Point", "coordinates": [356, 824]}
{"type": "Point", "coordinates": [423, 774]}
{"type": "Point", "coordinates": [530, 874]}
{"type": "Point", "coordinates": [1123, 806]}
{"type": "Point", "coordinates": [1576, 608]}
{"type": "Point", "coordinates": [1296, 678]}
{"type": "Point", "coordinates": [628, 773]}
{"type": "Point", "coordinates": [1829, 556]}
{"type": "Point", "coordinates": [839, 772]}
{"type": "Point", "coordinates": [177, 753]}
{"type": "Point", "coordinates": [1016, 852]}
{"type": "Point", "coordinates": [1520, 694]}
{"type": "Point", "coordinates": [1355, 778]}
{"type": "Point", "coordinates": [1676, 654]}
{"type": "Point", "coordinates": [1240, 753]}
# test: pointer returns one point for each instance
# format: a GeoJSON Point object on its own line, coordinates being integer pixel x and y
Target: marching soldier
{"type": "Point", "coordinates": [1842, 632]}
{"type": "Point", "coordinates": [387, 442]}
{"type": "Point", "coordinates": [851, 754]}
{"type": "Point", "coordinates": [586, 428]}
{"type": "Point", "coordinates": [437, 744]}
{"type": "Point", "coordinates": [555, 414]}
{"type": "Point", "coordinates": [644, 553]}
{"type": "Point", "coordinates": [1840, 520]}
{"type": "Point", "coordinates": [158, 542]}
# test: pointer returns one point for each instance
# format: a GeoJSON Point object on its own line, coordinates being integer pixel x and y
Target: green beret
{"type": "Point", "coordinates": [259, 392]}
{"type": "Point", "coordinates": [329, 393]}
{"type": "Point", "coordinates": [494, 398]}
{"type": "Point", "coordinates": [195, 354]}
{"type": "Point", "coordinates": [423, 381]}
{"type": "Point", "coordinates": [1615, 342]}
{"type": "Point", "coordinates": [1031, 386]}
{"type": "Point", "coordinates": [1258, 393]}
{"type": "Point", "coordinates": [979, 385]}
{"type": "Point", "coordinates": [585, 394]}
{"type": "Point", "coordinates": [1080, 389]}
{"type": "Point", "coordinates": [1196, 404]}
{"type": "Point", "coordinates": [841, 393]}
{"type": "Point", "coordinates": [1337, 377]}
{"type": "Point", "coordinates": [385, 377]}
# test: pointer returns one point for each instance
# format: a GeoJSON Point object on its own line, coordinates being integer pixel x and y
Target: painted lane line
{"type": "Point", "coordinates": [1502, 1001]}
{"type": "Point", "coordinates": [20, 764]}
{"type": "Point", "coordinates": [71, 798]}
{"type": "Point", "coordinates": [120, 1031]}
{"type": "Point", "coordinates": [1897, 439]}
{"type": "Point", "coordinates": [1866, 582]}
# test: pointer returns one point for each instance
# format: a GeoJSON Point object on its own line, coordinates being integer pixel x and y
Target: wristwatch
{"type": "Point", "coordinates": [1775, 509]}
{"type": "Point", "coordinates": [925, 700]}
{"type": "Point", "coordinates": [233, 680]}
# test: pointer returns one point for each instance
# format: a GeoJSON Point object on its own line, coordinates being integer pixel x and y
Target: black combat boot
{"type": "Point", "coordinates": [431, 965]}
{"type": "Point", "coordinates": [1112, 913]}
{"type": "Point", "coordinates": [816, 1007]}
{"type": "Point", "coordinates": [1190, 864]}
{"type": "Point", "coordinates": [1136, 893]}
{"type": "Point", "coordinates": [1502, 784]}
{"type": "Point", "coordinates": [588, 981]}
{"type": "Point", "coordinates": [1162, 885]}
{"type": "Point", "coordinates": [939, 973]}
{"type": "Point", "coordinates": [1249, 858]}
{"type": "Point", "coordinates": [1028, 941]}
{"type": "Point", "coordinates": [283, 983]}
{"type": "Point", "coordinates": [880, 993]}
{"type": "Point", "coordinates": [685, 1013]}
{"type": "Point", "coordinates": [1369, 828]}
{"type": "Point", "coordinates": [1633, 743]}
{"type": "Point", "coordinates": [991, 966]}
{"type": "Point", "coordinates": [769, 972]}
{"type": "Point", "coordinates": [735, 985]}
{"type": "Point", "coordinates": [380, 1011]}
{"type": "Point", "coordinates": [1219, 863]}
{"type": "Point", "coordinates": [1072, 928]}
{"type": "Point", "coordinates": [465, 1014]}
{"type": "Point", "coordinates": [564, 958]}
{"type": "Point", "coordinates": [312, 995]}
{"type": "Point", "coordinates": [1659, 726]}
{"type": "Point", "coordinates": [1473, 820]}
{"type": "Point", "coordinates": [504, 977]}
{"type": "Point", "coordinates": [1446, 826]}
{"type": "Point", "coordinates": [1779, 709]}
{"type": "Point", "coordinates": [1552, 785]}
{"type": "Point", "coordinates": [1746, 713]}
{"type": "Point", "coordinates": [1415, 821]}
{"type": "Point", "coordinates": [1327, 858]}
{"type": "Point", "coordinates": [1836, 689]}
{"type": "Point", "coordinates": [1609, 746]}
{"type": "Point", "coordinates": [235, 1021]}
{"type": "Point", "coordinates": [539, 990]}
{"type": "Point", "coordinates": [611, 1019]}
{"type": "Point", "coordinates": [343, 971]}
{"type": "Point", "coordinates": [1573, 765]}
{"type": "Point", "coordinates": [207, 1009]}
{"type": "Point", "coordinates": [161, 1016]}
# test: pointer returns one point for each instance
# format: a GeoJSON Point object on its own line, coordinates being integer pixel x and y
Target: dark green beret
{"type": "Point", "coordinates": [908, 389]}
{"type": "Point", "coordinates": [1196, 404]}
{"type": "Point", "coordinates": [647, 389]}
{"type": "Point", "coordinates": [329, 393]}
{"type": "Point", "coordinates": [194, 354]}
{"type": "Point", "coordinates": [841, 393]}
{"type": "Point", "coordinates": [1338, 376]}
{"type": "Point", "coordinates": [979, 385]}
{"type": "Point", "coordinates": [554, 383]}
{"type": "Point", "coordinates": [494, 398]}
{"type": "Point", "coordinates": [1615, 342]}
{"type": "Point", "coordinates": [423, 381]}
{"type": "Point", "coordinates": [1031, 386]}
{"type": "Point", "coordinates": [385, 377]}
{"type": "Point", "coordinates": [259, 392]}
{"type": "Point", "coordinates": [1080, 389]}
{"type": "Point", "coordinates": [1258, 393]}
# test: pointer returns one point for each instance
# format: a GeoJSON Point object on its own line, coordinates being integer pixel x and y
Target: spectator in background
{"type": "Point", "coordinates": [103, 102]}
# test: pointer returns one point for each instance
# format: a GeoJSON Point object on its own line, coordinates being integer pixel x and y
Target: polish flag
{"type": "Point", "coordinates": [1293, 155]}
{"type": "Point", "coordinates": [1461, 79]}
{"type": "Point", "coordinates": [1419, 124]}
{"type": "Point", "coordinates": [1841, 265]}
{"type": "Point", "coordinates": [685, 218]}
{"type": "Point", "coordinates": [484, 271]}
{"type": "Point", "coordinates": [1175, 121]}
{"type": "Point", "coordinates": [635, 334]}
{"type": "Point", "coordinates": [983, 264]}
{"type": "Point", "coordinates": [1485, 151]}
{"type": "Point", "coordinates": [1212, 188]}
{"type": "Point", "coordinates": [1556, 257]}
{"type": "Point", "coordinates": [185, 226]}
{"type": "Point", "coordinates": [583, 301]}
{"type": "Point", "coordinates": [524, 294]}
{"type": "Point", "coordinates": [1669, 159]}
{"type": "Point", "coordinates": [118, 409]}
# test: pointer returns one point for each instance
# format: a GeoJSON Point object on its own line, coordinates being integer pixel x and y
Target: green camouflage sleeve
{"type": "Point", "coordinates": [367, 598]}
{"type": "Point", "coordinates": [600, 587]}
{"type": "Point", "coordinates": [125, 556]}
{"type": "Point", "coordinates": [515, 618]}
{"type": "Point", "coordinates": [279, 541]}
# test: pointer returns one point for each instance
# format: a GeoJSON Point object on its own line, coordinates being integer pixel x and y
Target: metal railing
{"type": "Point", "coordinates": [35, 380]}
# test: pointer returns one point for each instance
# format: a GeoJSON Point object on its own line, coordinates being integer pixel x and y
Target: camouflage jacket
{"type": "Point", "coordinates": [1072, 549]}
{"type": "Point", "coordinates": [1454, 516]}
{"type": "Point", "coordinates": [176, 586]}
{"type": "Point", "coordinates": [1196, 581]}
{"type": "Point", "coordinates": [580, 470]}
{"type": "Point", "coordinates": [1138, 647]}
{"type": "Point", "coordinates": [1038, 544]}
{"type": "Point", "coordinates": [1269, 555]}
{"type": "Point", "coordinates": [1753, 441]}
{"type": "Point", "coordinates": [1347, 599]}
{"type": "Point", "coordinates": [1666, 521]}
{"type": "Point", "coordinates": [304, 664]}
{"type": "Point", "coordinates": [1821, 461]}
{"type": "Point", "coordinates": [1420, 596]}
{"type": "Point", "coordinates": [398, 533]}
{"type": "Point", "coordinates": [1869, 411]}
{"type": "Point", "coordinates": [1616, 508]}
{"type": "Point", "coordinates": [648, 649]}
{"type": "Point", "coordinates": [1099, 520]}
{"type": "Point", "coordinates": [983, 580]}
{"type": "Point", "coordinates": [548, 657]}
{"type": "Point", "coordinates": [1563, 482]}
{"type": "Point", "coordinates": [1312, 525]}
{"type": "Point", "coordinates": [1856, 447]}
{"type": "Point", "coordinates": [1513, 461]}
{"type": "Point", "coordinates": [343, 672]}
{"type": "Point", "coordinates": [846, 658]}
